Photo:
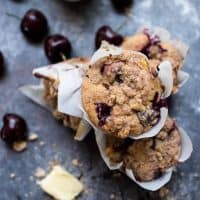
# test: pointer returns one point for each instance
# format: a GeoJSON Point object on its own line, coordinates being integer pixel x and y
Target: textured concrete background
{"type": "Point", "coordinates": [79, 23]}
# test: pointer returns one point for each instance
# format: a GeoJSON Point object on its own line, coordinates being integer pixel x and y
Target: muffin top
{"type": "Point", "coordinates": [148, 158]}
{"type": "Point", "coordinates": [118, 93]}
{"type": "Point", "coordinates": [156, 50]}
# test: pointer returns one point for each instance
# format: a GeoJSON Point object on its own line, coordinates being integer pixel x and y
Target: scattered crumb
{"type": "Point", "coordinates": [60, 184]}
{"type": "Point", "coordinates": [12, 175]}
{"type": "Point", "coordinates": [19, 146]}
{"type": "Point", "coordinates": [33, 137]}
{"type": "Point", "coordinates": [42, 143]}
{"type": "Point", "coordinates": [75, 162]}
{"type": "Point", "coordinates": [40, 173]}
{"type": "Point", "coordinates": [112, 196]}
{"type": "Point", "coordinates": [163, 192]}
{"type": "Point", "coordinates": [170, 198]}
{"type": "Point", "coordinates": [87, 190]}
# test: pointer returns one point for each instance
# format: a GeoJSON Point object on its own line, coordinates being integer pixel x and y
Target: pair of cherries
{"type": "Point", "coordinates": [34, 26]}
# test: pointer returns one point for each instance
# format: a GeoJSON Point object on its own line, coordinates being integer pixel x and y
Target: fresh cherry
{"type": "Point", "coordinates": [106, 33]}
{"type": "Point", "coordinates": [122, 5]}
{"type": "Point", "coordinates": [34, 25]}
{"type": "Point", "coordinates": [14, 128]}
{"type": "Point", "coordinates": [2, 69]}
{"type": "Point", "coordinates": [57, 47]}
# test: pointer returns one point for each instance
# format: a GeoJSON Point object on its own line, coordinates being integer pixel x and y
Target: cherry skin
{"type": "Point", "coordinates": [57, 48]}
{"type": "Point", "coordinates": [106, 33]}
{"type": "Point", "coordinates": [122, 5]}
{"type": "Point", "coordinates": [14, 128]}
{"type": "Point", "coordinates": [34, 25]}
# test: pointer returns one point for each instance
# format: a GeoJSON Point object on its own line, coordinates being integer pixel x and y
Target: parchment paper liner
{"type": "Point", "coordinates": [186, 150]}
{"type": "Point", "coordinates": [69, 88]}
{"type": "Point", "coordinates": [58, 72]}
{"type": "Point", "coordinates": [165, 36]}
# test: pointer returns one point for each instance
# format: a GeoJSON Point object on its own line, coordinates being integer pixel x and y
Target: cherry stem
{"type": "Point", "coordinates": [128, 17]}
{"type": "Point", "coordinates": [63, 57]}
{"type": "Point", "coordinates": [13, 15]}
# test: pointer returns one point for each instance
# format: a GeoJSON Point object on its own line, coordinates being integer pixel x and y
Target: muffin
{"type": "Point", "coordinates": [51, 93]}
{"type": "Point", "coordinates": [148, 158]}
{"type": "Point", "coordinates": [119, 92]}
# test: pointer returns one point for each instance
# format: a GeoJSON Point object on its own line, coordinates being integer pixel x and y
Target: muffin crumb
{"type": "Point", "coordinates": [33, 137]}
{"type": "Point", "coordinates": [19, 146]}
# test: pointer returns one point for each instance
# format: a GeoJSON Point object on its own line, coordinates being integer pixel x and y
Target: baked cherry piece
{"type": "Point", "coordinates": [14, 128]}
{"type": "Point", "coordinates": [2, 69]}
{"type": "Point", "coordinates": [103, 112]}
{"type": "Point", "coordinates": [122, 5]}
{"type": "Point", "coordinates": [57, 47]}
{"type": "Point", "coordinates": [106, 33]}
{"type": "Point", "coordinates": [34, 25]}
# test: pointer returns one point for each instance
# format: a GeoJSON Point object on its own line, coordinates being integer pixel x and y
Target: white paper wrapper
{"type": "Point", "coordinates": [182, 77]}
{"type": "Point", "coordinates": [165, 36]}
{"type": "Point", "coordinates": [70, 80]}
{"type": "Point", "coordinates": [35, 93]}
{"type": "Point", "coordinates": [51, 71]}
{"type": "Point", "coordinates": [83, 130]}
{"type": "Point", "coordinates": [166, 76]}
{"type": "Point", "coordinates": [69, 95]}
{"type": "Point", "coordinates": [186, 150]}
{"type": "Point", "coordinates": [105, 50]}
{"type": "Point", "coordinates": [101, 142]}
{"type": "Point", "coordinates": [186, 145]}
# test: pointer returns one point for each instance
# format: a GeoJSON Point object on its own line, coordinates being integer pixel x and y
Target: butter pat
{"type": "Point", "coordinates": [61, 185]}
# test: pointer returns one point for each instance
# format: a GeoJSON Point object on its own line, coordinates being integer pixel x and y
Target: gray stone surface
{"type": "Point", "coordinates": [79, 23]}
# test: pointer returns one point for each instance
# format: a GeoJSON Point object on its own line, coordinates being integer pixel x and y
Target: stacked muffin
{"type": "Point", "coordinates": [122, 94]}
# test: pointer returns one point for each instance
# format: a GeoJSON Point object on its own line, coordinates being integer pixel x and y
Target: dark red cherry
{"type": "Point", "coordinates": [2, 69]}
{"type": "Point", "coordinates": [158, 103]}
{"type": "Point", "coordinates": [103, 112]}
{"type": "Point", "coordinates": [106, 33]}
{"type": "Point", "coordinates": [14, 128]}
{"type": "Point", "coordinates": [57, 47]}
{"type": "Point", "coordinates": [122, 5]}
{"type": "Point", "coordinates": [34, 25]}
